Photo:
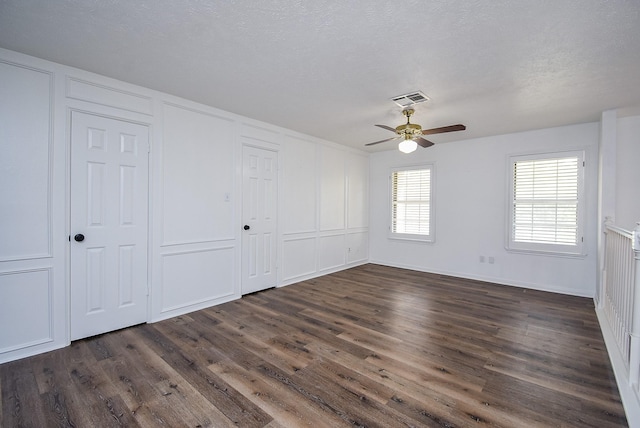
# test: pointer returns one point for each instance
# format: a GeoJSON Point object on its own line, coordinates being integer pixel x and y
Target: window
{"type": "Point", "coordinates": [546, 208]}
{"type": "Point", "coordinates": [412, 203]}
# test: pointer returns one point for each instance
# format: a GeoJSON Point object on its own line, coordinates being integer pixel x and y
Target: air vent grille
{"type": "Point", "coordinates": [410, 99]}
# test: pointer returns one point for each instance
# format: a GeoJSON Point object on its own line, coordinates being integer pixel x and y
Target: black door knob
{"type": "Point", "coordinates": [246, 227]}
{"type": "Point", "coordinates": [79, 237]}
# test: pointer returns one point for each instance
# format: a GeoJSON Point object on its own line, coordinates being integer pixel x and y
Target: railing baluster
{"type": "Point", "coordinates": [634, 284]}
{"type": "Point", "coordinates": [621, 303]}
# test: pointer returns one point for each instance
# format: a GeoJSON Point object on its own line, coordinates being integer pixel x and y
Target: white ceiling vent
{"type": "Point", "coordinates": [410, 99]}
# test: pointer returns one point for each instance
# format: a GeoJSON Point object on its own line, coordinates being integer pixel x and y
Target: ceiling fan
{"type": "Point", "coordinates": [411, 134]}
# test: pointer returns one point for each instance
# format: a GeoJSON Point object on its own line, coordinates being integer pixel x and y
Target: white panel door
{"type": "Point", "coordinates": [109, 217]}
{"type": "Point", "coordinates": [259, 209]}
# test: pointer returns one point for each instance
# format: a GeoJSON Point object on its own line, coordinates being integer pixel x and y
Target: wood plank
{"type": "Point", "coordinates": [19, 390]}
{"type": "Point", "coordinates": [173, 394]}
{"type": "Point", "coordinates": [279, 401]}
{"type": "Point", "coordinates": [232, 404]}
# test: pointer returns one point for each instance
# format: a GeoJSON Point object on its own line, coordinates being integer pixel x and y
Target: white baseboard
{"type": "Point", "coordinates": [494, 280]}
{"type": "Point", "coordinates": [317, 274]}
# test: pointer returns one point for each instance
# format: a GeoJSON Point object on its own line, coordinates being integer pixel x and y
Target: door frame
{"type": "Point", "coordinates": [272, 147]}
{"type": "Point", "coordinates": [113, 114]}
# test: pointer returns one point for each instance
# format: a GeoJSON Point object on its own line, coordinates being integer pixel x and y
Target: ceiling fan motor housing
{"type": "Point", "coordinates": [409, 130]}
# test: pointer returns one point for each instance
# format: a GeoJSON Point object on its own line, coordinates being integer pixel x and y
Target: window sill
{"type": "Point", "coordinates": [412, 238]}
{"type": "Point", "coordinates": [544, 252]}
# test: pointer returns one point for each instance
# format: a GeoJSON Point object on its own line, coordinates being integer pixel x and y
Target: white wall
{"type": "Point", "coordinates": [195, 199]}
{"type": "Point", "coordinates": [471, 206]}
{"type": "Point", "coordinates": [628, 172]}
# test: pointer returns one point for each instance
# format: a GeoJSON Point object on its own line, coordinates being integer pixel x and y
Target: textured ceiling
{"type": "Point", "coordinates": [328, 68]}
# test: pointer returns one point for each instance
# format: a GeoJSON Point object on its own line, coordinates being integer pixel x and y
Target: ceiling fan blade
{"type": "Point", "coordinates": [387, 128]}
{"type": "Point", "coordinates": [382, 141]}
{"type": "Point", "coordinates": [451, 128]}
{"type": "Point", "coordinates": [422, 142]}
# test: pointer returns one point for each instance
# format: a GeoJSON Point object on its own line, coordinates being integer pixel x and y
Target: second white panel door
{"type": "Point", "coordinates": [259, 211]}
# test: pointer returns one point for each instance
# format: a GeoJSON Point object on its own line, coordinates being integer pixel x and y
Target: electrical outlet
{"type": "Point", "coordinates": [481, 259]}
{"type": "Point", "coordinates": [491, 260]}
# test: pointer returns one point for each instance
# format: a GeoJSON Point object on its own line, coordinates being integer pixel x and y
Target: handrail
{"type": "Point", "coordinates": [624, 232]}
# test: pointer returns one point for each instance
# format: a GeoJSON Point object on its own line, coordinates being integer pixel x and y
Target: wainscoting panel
{"type": "Point", "coordinates": [25, 309]}
{"type": "Point", "coordinates": [357, 247]}
{"type": "Point", "coordinates": [357, 191]}
{"type": "Point", "coordinates": [191, 278]}
{"type": "Point", "coordinates": [198, 168]}
{"type": "Point", "coordinates": [331, 252]}
{"type": "Point", "coordinates": [332, 189]}
{"type": "Point", "coordinates": [298, 258]}
{"type": "Point", "coordinates": [299, 186]}
{"type": "Point", "coordinates": [26, 162]}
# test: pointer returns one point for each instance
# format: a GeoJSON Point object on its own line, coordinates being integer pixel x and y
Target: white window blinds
{"type": "Point", "coordinates": [411, 202]}
{"type": "Point", "coordinates": [546, 201]}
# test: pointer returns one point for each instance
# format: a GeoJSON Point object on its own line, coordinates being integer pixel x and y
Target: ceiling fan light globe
{"type": "Point", "coordinates": [407, 146]}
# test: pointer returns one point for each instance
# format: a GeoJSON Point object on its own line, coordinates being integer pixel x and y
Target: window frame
{"type": "Point", "coordinates": [410, 236]}
{"type": "Point", "coordinates": [565, 250]}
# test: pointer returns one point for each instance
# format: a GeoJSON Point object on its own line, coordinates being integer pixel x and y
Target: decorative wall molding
{"type": "Point", "coordinates": [206, 265]}
{"type": "Point", "coordinates": [46, 250]}
{"type": "Point", "coordinates": [299, 257]}
{"type": "Point", "coordinates": [198, 250]}
{"type": "Point", "coordinates": [202, 109]}
{"type": "Point", "coordinates": [18, 315]}
{"type": "Point", "coordinates": [302, 234]}
{"type": "Point", "coordinates": [96, 93]}
{"type": "Point", "coordinates": [260, 133]}
{"type": "Point", "coordinates": [357, 244]}
{"type": "Point", "coordinates": [197, 242]}
{"type": "Point", "coordinates": [197, 155]}
{"type": "Point", "coordinates": [331, 251]}
{"type": "Point", "coordinates": [331, 232]}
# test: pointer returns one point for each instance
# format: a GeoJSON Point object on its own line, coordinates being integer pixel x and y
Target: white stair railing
{"type": "Point", "coordinates": [620, 294]}
{"type": "Point", "coordinates": [634, 360]}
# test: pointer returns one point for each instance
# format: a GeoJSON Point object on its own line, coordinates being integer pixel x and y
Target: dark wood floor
{"type": "Point", "coordinates": [371, 346]}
